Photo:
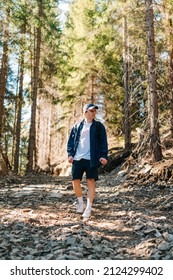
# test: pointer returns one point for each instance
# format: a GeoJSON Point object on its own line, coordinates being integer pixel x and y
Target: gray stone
{"type": "Point", "coordinates": [164, 246]}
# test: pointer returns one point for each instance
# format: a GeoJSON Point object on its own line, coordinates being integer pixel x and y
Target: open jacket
{"type": "Point", "coordinates": [98, 141]}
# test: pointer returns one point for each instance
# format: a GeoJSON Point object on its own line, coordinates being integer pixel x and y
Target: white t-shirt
{"type": "Point", "coordinates": [83, 149]}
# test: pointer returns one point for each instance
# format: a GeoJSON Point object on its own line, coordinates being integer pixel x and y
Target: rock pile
{"type": "Point", "coordinates": [131, 219]}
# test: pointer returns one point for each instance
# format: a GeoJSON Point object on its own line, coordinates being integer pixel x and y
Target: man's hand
{"type": "Point", "coordinates": [70, 159]}
{"type": "Point", "coordinates": [103, 161]}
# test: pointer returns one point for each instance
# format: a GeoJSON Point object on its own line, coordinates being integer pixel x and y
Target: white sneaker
{"type": "Point", "coordinates": [87, 213]}
{"type": "Point", "coordinates": [80, 208]}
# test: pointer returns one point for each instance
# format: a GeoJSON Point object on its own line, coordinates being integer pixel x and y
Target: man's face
{"type": "Point", "coordinates": [90, 114]}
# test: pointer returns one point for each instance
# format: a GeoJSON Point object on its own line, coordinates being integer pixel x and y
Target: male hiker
{"type": "Point", "coordinates": [87, 148]}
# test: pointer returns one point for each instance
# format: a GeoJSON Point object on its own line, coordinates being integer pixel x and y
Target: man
{"type": "Point", "coordinates": [87, 148]}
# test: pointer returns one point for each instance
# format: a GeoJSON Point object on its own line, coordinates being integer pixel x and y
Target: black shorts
{"type": "Point", "coordinates": [81, 166]}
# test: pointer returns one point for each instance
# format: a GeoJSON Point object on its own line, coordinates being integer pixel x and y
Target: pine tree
{"type": "Point", "coordinates": [127, 126]}
{"type": "Point", "coordinates": [35, 82]}
{"type": "Point", "coordinates": [4, 68]}
{"type": "Point", "coordinates": [19, 101]}
{"type": "Point", "coordinates": [168, 10]}
{"type": "Point", "coordinates": [153, 102]}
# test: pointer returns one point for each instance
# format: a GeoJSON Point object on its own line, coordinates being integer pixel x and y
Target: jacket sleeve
{"type": "Point", "coordinates": [103, 142]}
{"type": "Point", "coordinates": [70, 143]}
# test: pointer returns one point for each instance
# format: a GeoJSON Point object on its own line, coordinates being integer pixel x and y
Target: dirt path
{"type": "Point", "coordinates": [130, 219]}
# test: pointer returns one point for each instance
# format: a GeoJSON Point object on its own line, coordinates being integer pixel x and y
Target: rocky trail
{"type": "Point", "coordinates": [132, 218]}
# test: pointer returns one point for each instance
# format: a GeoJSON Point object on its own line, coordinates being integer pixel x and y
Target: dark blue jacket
{"type": "Point", "coordinates": [98, 141]}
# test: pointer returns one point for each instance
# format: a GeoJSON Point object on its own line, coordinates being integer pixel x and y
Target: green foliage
{"type": "Point", "coordinates": [24, 21]}
{"type": "Point", "coordinates": [82, 59]}
{"type": "Point", "coordinates": [93, 47]}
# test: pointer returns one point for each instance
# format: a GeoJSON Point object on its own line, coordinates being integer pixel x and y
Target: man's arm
{"type": "Point", "coordinates": [103, 144]}
{"type": "Point", "coordinates": [70, 144]}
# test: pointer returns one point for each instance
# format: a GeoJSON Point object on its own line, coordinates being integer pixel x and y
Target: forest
{"type": "Point", "coordinates": [56, 56]}
{"type": "Point", "coordinates": [117, 54]}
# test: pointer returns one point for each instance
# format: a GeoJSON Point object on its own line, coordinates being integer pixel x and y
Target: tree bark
{"type": "Point", "coordinates": [168, 9]}
{"type": "Point", "coordinates": [127, 124]}
{"type": "Point", "coordinates": [153, 100]}
{"type": "Point", "coordinates": [170, 47]}
{"type": "Point", "coordinates": [19, 104]}
{"type": "Point", "coordinates": [32, 136]}
{"type": "Point", "coordinates": [3, 72]}
{"type": "Point", "coordinates": [92, 92]}
{"type": "Point", "coordinates": [171, 79]}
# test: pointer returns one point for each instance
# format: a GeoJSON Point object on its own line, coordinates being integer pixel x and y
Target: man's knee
{"type": "Point", "coordinates": [91, 182]}
{"type": "Point", "coordinates": [76, 183]}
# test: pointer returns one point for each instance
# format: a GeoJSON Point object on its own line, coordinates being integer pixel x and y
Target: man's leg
{"type": "Point", "coordinates": [77, 187]}
{"type": "Point", "coordinates": [90, 198]}
{"type": "Point", "coordinates": [78, 191]}
{"type": "Point", "coordinates": [91, 189]}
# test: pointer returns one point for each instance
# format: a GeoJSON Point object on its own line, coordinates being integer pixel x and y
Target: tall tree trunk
{"type": "Point", "coordinates": [168, 9]}
{"type": "Point", "coordinates": [92, 89]}
{"type": "Point", "coordinates": [19, 104]}
{"type": "Point", "coordinates": [153, 106]}
{"type": "Point", "coordinates": [127, 123]}
{"type": "Point", "coordinates": [171, 74]}
{"type": "Point", "coordinates": [170, 48]}
{"type": "Point", "coordinates": [32, 137]}
{"type": "Point", "coordinates": [3, 80]}
{"type": "Point", "coordinates": [3, 72]}
{"type": "Point", "coordinates": [15, 113]}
